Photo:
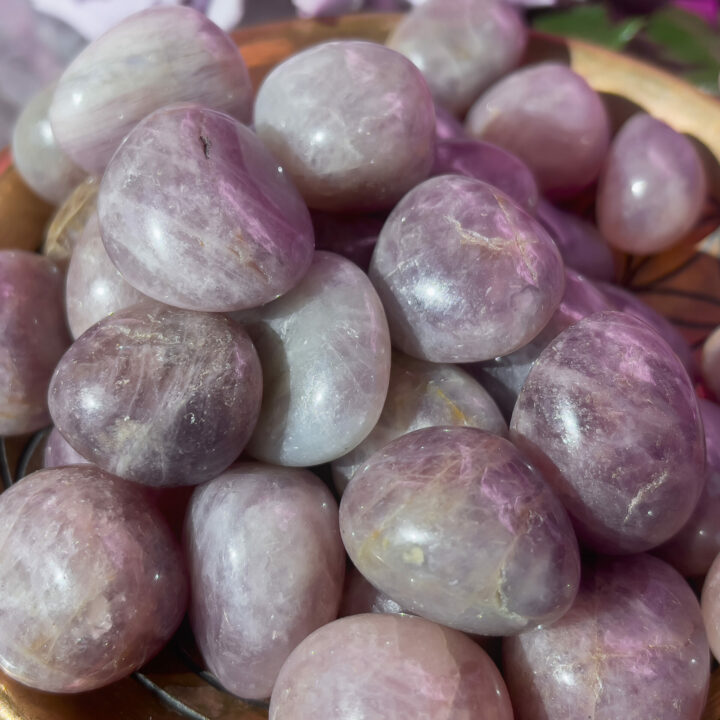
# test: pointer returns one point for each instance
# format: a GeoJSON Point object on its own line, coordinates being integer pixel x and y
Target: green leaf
{"type": "Point", "coordinates": [591, 23]}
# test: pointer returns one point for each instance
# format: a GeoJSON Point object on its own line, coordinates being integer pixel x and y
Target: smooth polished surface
{"type": "Point", "coordinates": [461, 46]}
{"type": "Point", "coordinates": [266, 569]}
{"type": "Point", "coordinates": [711, 362]}
{"type": "Point", "coordinates": [422, 394]}
{"type": "Point", "coordinates": [158, 395]}
{"type": "Point", "coordinates": [609, 415]}
{"type": "Point", "coordinates": [632, 646]}
{"type": "Point", "coordinates": [33, 337]}
{"type": "Point", "coordinates": [224, 230]}
{"type": "Point", "coordinates": [464, 273]}
{"type": "Point", "coordinates": [325, 352]}
{"type": "Point", "coordinates": [160, 56]}
{"type": "Point", "coordinates": [652, 188]}
{"type": "Point", "coordinates": [93, 581]}
{"type": "Point", "coordinates": [710, 601]}
{"type": "Point", "coordinates": [544, 114]}
{"type": "Point", "coordinates": [58, 452]}
{"type": "Point", "coordinates": [411, 512]}
{"type": "Point", "coordinates": [353, 124]}
{"type": "Point", "coordinates": [384, 667]}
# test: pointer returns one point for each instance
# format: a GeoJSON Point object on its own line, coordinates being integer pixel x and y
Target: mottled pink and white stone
{"type": "Point", "coordinates": [59, 453]}
{"type": "Point", "coordinates": [387, 667]}
{"type": "Point", "coordinates": [352, 123]}
{"type": "Point", "coordinates": [224, 230]}
{"type": "Point", "coordinates": [461, 46]}
{"type": "Point", "coordinates": [158, 395]}
{"type": "Point", "coordinates": [632, 646]}
{"type": "Point", "coordinates": [652, 188]}
{"type": "Point", "coordinates": [484, 161]}
{"type": "Point", "coordinates": [359, 596]}
{"type": "Point", "coordinates": [94, 287]}
{"type": "Point", "coordinates": [464, 273]}
{"type": "Point", "coordinates": [33, 337]}
{"type": "Point", "coordinates": [93, 581]}
{"type": "Point", "coordinates": [551, 119]}
{"type": "Point", "coordinates": [692, 551]}
{"type": "Point", "coordinates": [422, 394]}
{"type": "Point", "coordinates": [325, 352]}
{"type": "Point", "coordinates": [411, 513]}
{"type": "Point", "coordinates": [266, 569]}
{"type": "Point", "coordinates": [609, 415]}
{"type": "Point", "coordinates": [152, 58]}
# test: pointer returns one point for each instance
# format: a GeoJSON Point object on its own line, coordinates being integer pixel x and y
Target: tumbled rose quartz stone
{"type": "Point", "coordinates": [224, 230]}
{"type": "Point", "coordinates": [386, 667]}
{"type": "Point", "coordinates": [504, 376]}
{"type": "Point", "coordinates": [551, 119]}
{"type": "Point", "coordinates": [359, 596]}
{"type": "Point", "coordinates": [711, 362]}
{"type": "Point", "coordinates": [266, 569]}
{"type": "Point", "coordinates": [447, 126]}
{"type": "Point", "coordinates": [711, 607]}
{"type": "Point", "coordinates": [94, 287]}
{"type": "Point", "coordinates": [59, 453]}
{"type": "Point", "coordinates": [580, 244]}
{"type": "Point", "coordinates": [94, 581]}
{"type": "Point", "coordinates": [692, 551]}
{"type": "Point", "coordinates": [411, 513]}
{"type": "Point", "coordinates": [33, 337]}
{"type": "Point", "coordinates": [609, 415]}
{"type": "Point", "coordinates": [158, 395]}
{"type": "Point", "coordinates": [325, 352]}
{"type": "Point", "coordinates": [490, 163]}
{"type": "Point", "coordinates": [36, 155]}
{"type": "Point", "coordinates": [652, 187]}
{"type": "Point", "coordinates": [461, 46]}
{"type": "Point", "coordinates": [152, 58]}
{"type": "Point", "coordinates": [464, 273]}
{"type": "Point", "coordinates": [352, 235]}
{"type": "Point", "coordinates": [632, 646]}
{"type": "Point", "coordinates": [352, 123]}
{"type": "Point", "coordinates": [422, 394]}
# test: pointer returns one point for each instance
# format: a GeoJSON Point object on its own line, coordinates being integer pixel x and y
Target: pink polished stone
{"type": "Point", "coordinates": [33, 337]}
{"type": "Point", "coordinates": [692, 551]}
{"type": "Point", "coordinates": [609, 415]}
{"type": "Point", "coordinates": [353, 236]}
{"type": "Point", "coordinates": [551, 119]}
{"type": "Point", "coordinates": [632, 646]}
{"type": "Point", "coordinates": [153, 58]}
{"type": "Point", "coordinates": [225, 230]}
{"type": "Point", "coordinates": [631, 304]}
{"type": "Point", "coordinates": [483, 161]}
{"type": "Point", "coordinates": [652, 188]}
{"type": "Point", "coordinates": [59, 453]}
{"type": "Point", "coordinates": [359, 596]}
{"type": "Point", "coordinates": [422, 394]}
{"type": "Point", "coordinates": [36, 155]}
{"type": "Point", "coordinates": [464, 273]}
{"type": "Point", "coordinates": [93, 580]}
{"type": "Point", "coordinates": [580, 244]}
{"type": "Point", "coordinates": [711, 606]}
{"type": "Point", "coordinates": [325, 352]}
{"type": "Point", "coordinates": [352, 122]}
{"type": "Point", "coordinates": [386, 667]}
{"type": "Point", "coordinates": [94, 287]}
{"type": "Point", "coordinates": [414, 508]}
{"type": "Point", "coordinates": [504, 377]}
{"type": "Point", "coordinates": [266, 567]}
{"type": "Point", "coordinates": [158, 395]}
{"type": "Point", "coordinates": [447, 126]}
{"type": "Point", "coordinates": [711, 362]}
{"type": "Point", "coordinates": [461, 46]}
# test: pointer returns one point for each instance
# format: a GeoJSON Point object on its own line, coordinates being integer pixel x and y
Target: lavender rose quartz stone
{"type": "Point", "coordinates": [711, 362]}
{"type": "Point", "coordinates": [93, 581]}
{"type": "Point", "coordinates": [352, 123]}
{"type": "Point", "coordinates": [464, 274]}
{"type": "Point", "coordinates": [632, 646]}
{"type": "Point", "coordinates": [224, 230]}
{"type": "Point", "coordinates": [422, 394]}
{"type": "Point", "coordinates": [158, 395]}
{"type": "Point", "coordinates": [609, 414]}
{"type": "Point", "coordinates": [266, 566]}
{"type": "Point", "coordinates": [386, 667]}
{"type": "Point", "coordinates": [33, 337]}
{"type": "Point", "coordinates": [151, 59]}
{"type": "Point", "coordinates": [447, 126]}
{"type": "Point", "coordinates": [411, 512]}
{"type": "Point", "coordinates": [58, 452]}
{"type": "Point", "coordinates": [710, 601]}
